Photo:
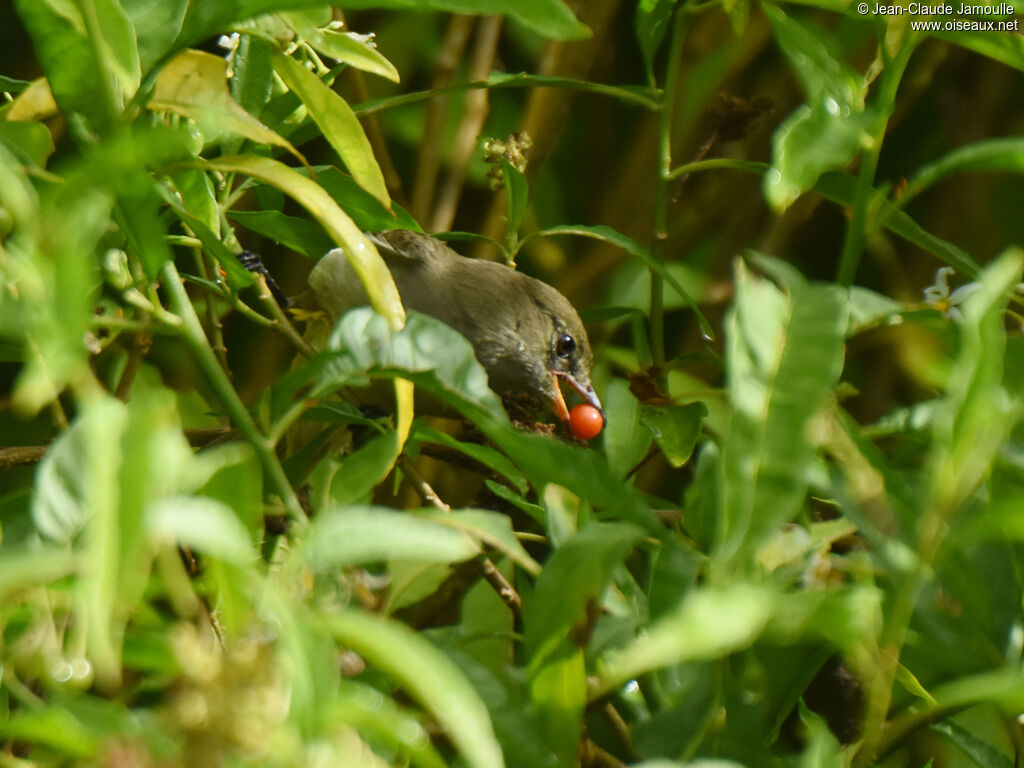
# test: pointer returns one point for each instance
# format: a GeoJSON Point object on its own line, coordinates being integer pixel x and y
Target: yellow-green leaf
{"type": "Point", "coordinates": [338, 123]}
{"type": "Point", "coordinates": [373, 273]}
{"type": "Point", "coordinates": [194, 85]}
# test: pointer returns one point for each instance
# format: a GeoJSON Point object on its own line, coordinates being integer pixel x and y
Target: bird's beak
{"type": "Point", "coordinates": [587, 392]}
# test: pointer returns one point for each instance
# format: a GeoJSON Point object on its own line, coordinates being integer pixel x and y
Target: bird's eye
{"type": "Point", "coordinates": [565, 345]}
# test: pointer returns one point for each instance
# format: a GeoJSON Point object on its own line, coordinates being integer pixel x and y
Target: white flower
{"type": "Point", "coordinates": [367, 40]}
{"type": "Point", "coordinates": [230, 44]}
{"type": "Point", "coordinates": [937, 295]}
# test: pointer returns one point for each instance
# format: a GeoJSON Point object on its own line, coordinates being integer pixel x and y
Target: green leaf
{"type": "Point", "coordinates": [624, 438]}
{"type": "Point", "coordinates": [238, 276]}
{"type": "Point", "coordinates": [609, 235]}
{"type": "Point", "coordinates": [710, 623]}
{"type": "Point", "coordinates": [548, 18]}
{"type": "Point", "coordinates": [841, 188]}
{"type": "Point", "coordinates": [812, 140]}
{"type": "Point", "coordinates": [428, 676]}
{"type": "Point", "coordinates": [206, 525]}
{"type": "Point", "coordinates": [977, 414]}
{"type": "Point", "coordinates": [194, 85]}
{"type": "Point", "coordinates": [491, 529]}
{"type": "Point", "coordinates": [59, 306]}
{"type": "Point", "coordinates": [574, 576]}
{"type": "Point", "coordinates": [373, 273]}
{"type": "Point", "coordinates": [344, 47]}
{"type": "Point", "coordinates": [484, 454]}
{"type": "Point", "coordinates": [55, 727]}
{"type": "Point", "coordinates": [440, 361]}
{"type": "Point", "coordinates": [338, 124]}
{"type": "Point", "coordinates": [824, 133]}
{"type": "Point", "coordinates": [1005, 47]}
{"type": "Point", "coordinates": [156, 23]}
{"type": "Point", "coordinates": [380, 718]}
{"type": "Point", "coordinates": [1002, 154]}
{"type": "Point", "coordinates": [366, 211]}
{"type": "Point", "coordinates": [676, 429]}
{"type": "Point", "coordinates": [363, 535]}
{"type": "Point", "coordinates": [426, 351]}
{"type": "Point", "coordinates": [13, 85]}
{"type": "Point", "coordinates": [783, 357]}
{"type": "Point", "coordinates": [117, 45]}
{"type": "Point", "coordinates": [25, 569]}
{"type": "Point", "coordinates": [651, 23]}
{"type": "Point", "coordinates": [978, 750]}
{"type": "Point", "coordinates": [558, 690]}
{"type": "Point", "coordinates": [252, 82]}
{"type": "Point", "coordinates": [360, 472]}
{"type": "Point", "coordinates": [30, 142]}
{"type": "Point", "coordinates": [297, 234]}
{"type": "Point", "coordinates": [137, 216]}
{"type": "Point", "coordinates": [206, 19]}
{"type": "Point", "coordinates": [67, 59]}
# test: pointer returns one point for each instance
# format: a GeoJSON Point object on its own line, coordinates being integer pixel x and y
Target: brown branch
{"type": "Point", "coordinates": [141, 342]}
{"type": "Point", "coordinates": [428, 164]}
{"type": "Point", "coordinates": [485, 50]}
{"type": "Point", "coordinates": [484, 564]}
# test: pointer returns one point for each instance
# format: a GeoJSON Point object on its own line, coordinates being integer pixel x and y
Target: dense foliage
{"type": "Point", "coordinates": [791, 229]}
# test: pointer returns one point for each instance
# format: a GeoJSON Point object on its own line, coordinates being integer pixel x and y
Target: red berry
{"type": "Point", "coordinates": [586, 421]}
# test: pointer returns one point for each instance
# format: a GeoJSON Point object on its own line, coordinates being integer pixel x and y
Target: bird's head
{"type": "Point", "coordinates": [547, 345]}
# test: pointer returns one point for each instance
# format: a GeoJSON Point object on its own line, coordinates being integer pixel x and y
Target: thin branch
{"type": "Point", "coordinates": [485, 565]}
{"type": "Point", "coordinates": [428, 163]}
{"type": "Point", "coordinates": [485, 50]}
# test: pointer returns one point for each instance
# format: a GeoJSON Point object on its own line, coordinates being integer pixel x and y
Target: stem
{"type": "Point", "coordinates": [666, 111]}
{"type": "Point", "coordinates": [856, 231]}
{"type": "Point", "coordinates": [192, 332]}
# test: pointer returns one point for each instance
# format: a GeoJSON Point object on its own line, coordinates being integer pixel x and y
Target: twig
{"type": "Point", "coordinates": [428, 163]}
{"type": "Point", "coordinates": [486, 566]}
{"type": "Point", "coordinates": [485, 49]}
{"type": "Point", "coordinates": [19, 455]}
{"type": "Point", "coordinates": [592, 754]}
{"type": "Point", "coordinates": [141, 342]}
{"type": "Point", "coordinates": [282, 323]}
{"type": "Point", "coordinates": [213, 323]}
{"type": "Point", "coordinates": [620, 727]}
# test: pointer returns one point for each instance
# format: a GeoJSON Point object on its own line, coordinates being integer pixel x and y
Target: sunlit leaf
{"type": "Point", "coordinates": [374, 275]}
{"type": "Point", "coordinates": [824, 133]}
{"type": "Point", "coordinates": [346, 48]}
{"type": "Point", "coordinates": [337, 123]}
{"type": "Point", "coordinates": [194, 85]}
{"type": "Point", "coordinates": [363, 535]}
{"type": "Point", "coordinates": [710, 623]}
{"type": "Point", "coordinates": [428, 676]}
{"type": "Point", "coordinates": [675, 428]}
{"type": "Point", "coordinates": [203, 524]}
{"type": "Point", "coordinates": [573, 577]}
{"type": "Point", "coordinates": [29, 141]}
{"type": "Point", "coordinates": [784, 356]}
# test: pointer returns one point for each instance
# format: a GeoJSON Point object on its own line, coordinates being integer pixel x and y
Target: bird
{"type": "Point", "coordinates": [525, 334]}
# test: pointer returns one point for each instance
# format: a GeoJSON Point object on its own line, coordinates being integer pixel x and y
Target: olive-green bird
{"type": "Point", "coordinates": [526, 334]}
